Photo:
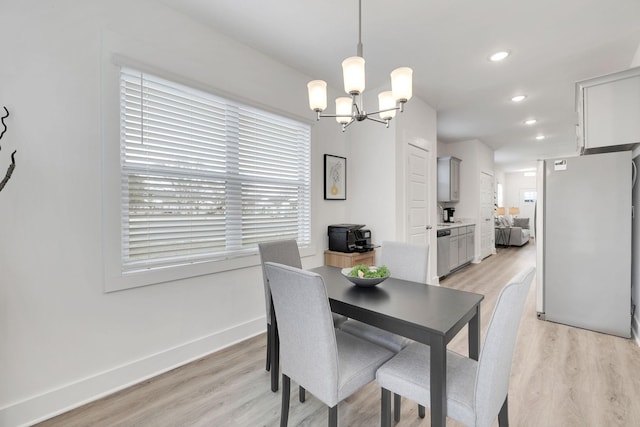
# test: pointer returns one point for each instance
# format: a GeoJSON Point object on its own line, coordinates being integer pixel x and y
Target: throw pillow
{"type": "Point", "coordinates": [521, 222]}
{"type": "Point", "coordinates": [505, 222]}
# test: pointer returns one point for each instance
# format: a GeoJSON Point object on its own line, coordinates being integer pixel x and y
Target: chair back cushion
{"type": "Point", "coordinates": [494, 364]}
{"type": "Point", "coordinates": [308, 349]}
{"type": "Point", "coordinates": [406, 261]}
{"type": "Point", "coordinates": [283, 252]}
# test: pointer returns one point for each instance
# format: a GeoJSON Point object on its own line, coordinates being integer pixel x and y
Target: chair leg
{"type": "Point", "coordinates": [301, 394]}
{"type": "Point", "coordinates": [333, 416]}
{"type": "Point", "coordinates": [396, 406]}
{"type": "Point", "coordinates": [268, 367]}
{"type": "Point", "coordinates": [385, 408]}
{"type": "Point", "coordinates": [421, 411]}
{"type": "Point", "coordinates": [286, 388]}
{"type": "Point", "coordinates": [503, 415]}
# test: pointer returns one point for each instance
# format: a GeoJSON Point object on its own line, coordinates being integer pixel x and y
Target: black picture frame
{"type": "Point", "coordinates": [335, 177]}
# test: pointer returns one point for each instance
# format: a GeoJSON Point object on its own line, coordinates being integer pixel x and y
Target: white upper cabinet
{"type": "Point", "coordinates": [609, 112]}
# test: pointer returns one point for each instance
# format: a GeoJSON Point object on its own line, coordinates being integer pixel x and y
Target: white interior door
{"type": "Point", "coordinates": [417, 195]}
{"type": "Point", "coordinates": [487, 234]}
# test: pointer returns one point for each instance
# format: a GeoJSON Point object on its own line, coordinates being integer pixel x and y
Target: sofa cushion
{"type": "Point", "coordinates": [521, 222]}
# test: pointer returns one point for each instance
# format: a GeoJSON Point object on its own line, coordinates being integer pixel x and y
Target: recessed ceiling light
{"type": "Point", "coordinates": [499, 56]}
{"type": "Point", "coordinates": [530, 121]}
{"type": "Point", "coordinates": [518, 98]}
{"type": "Point", "coordinates": [539, 137]}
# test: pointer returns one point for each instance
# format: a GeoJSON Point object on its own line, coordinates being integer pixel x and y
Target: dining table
{"type": "Point", "coordinates": [429, 314]}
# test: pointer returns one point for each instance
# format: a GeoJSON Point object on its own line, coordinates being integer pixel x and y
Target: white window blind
{"type": "Point", "coordinates": [206, 178]}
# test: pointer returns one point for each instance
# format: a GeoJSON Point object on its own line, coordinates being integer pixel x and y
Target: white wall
{"type": "Point", "coordinates": [63, 341]}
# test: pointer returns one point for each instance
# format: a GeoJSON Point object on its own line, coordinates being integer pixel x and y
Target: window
{"type": "Point", "coordinates": [204, 178]}
{"type": "Point", "coordinates": [500, 195]}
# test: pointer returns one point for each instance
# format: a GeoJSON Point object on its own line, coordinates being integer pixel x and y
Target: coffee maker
{"type": "Point", "coordinates": [448, 214]}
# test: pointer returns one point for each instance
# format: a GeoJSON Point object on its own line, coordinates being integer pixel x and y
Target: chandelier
{"type": "Point", "coordinates": [349, 110]}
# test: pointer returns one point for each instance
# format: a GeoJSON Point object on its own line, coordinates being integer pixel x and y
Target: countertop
{"type": "Point", "coordinates": [450, 225]}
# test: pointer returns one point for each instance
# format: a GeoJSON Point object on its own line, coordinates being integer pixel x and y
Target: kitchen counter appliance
{"type": "Point", "coordinates": [349, 238]}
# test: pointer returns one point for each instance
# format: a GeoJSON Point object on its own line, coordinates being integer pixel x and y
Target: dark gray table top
{"type": "Point", "coordinates": [417, 311]}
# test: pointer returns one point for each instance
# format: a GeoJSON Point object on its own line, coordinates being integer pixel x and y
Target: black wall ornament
{"type": "Point", "coordinates": [12, 166]}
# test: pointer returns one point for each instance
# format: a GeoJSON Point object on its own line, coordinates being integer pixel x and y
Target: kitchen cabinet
{"type": "Point", "coordinates": [461, 246]}
{"type": "Point", "coordinates": [344, 260]}
{"type": "Point", "coordinates": [448, 179]}
{"type": "Point", "coordinates": [471, 242]}
{"type": "Point", "coordinates": [453, 249]}
{"type": "Point", "coordinates": [608, 109]}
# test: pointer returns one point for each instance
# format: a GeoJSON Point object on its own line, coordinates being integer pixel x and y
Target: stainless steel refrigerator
{"type": "Point", "coordinates": [583, 221]}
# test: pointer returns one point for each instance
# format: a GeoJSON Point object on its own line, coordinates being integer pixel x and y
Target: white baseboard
{"type": "Point", "coordinates": [62, 399]}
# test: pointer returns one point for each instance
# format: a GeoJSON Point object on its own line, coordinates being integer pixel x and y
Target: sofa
{"type": "Point", "coordinates": [518, 232]}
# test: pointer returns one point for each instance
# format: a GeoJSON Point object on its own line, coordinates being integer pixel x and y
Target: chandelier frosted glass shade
{"type": "Point", "coordinates": [343, 110]}
{"type": "Point", "coordinates": [317, 95]}
{"type": "Point", "coordinates": [386, 105]}
{"type": "Point", "coordinates": [402, 84]}
{"type": "Point", "coordinates": [353, 73]}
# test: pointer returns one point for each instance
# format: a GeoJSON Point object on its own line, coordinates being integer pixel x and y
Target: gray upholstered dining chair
{"type": "Point", "coordinates": [283, 252]}
{"type": "Point", "coordinates": [405, 261]}
{"type": "Point", "coordinates": [476, 390]}
{"type": "Point", "coordinates": [327, 362]}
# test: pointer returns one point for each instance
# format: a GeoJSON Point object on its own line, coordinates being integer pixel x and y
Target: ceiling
{"type": "Point", "coordinates": [553, 44]}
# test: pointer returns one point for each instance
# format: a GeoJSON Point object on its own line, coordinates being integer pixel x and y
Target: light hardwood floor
{"type": "Point", "coordinates": [561, 376]}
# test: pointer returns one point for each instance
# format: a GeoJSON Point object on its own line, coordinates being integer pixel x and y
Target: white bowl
{"type": "Point", "coordinates": [363, 282]}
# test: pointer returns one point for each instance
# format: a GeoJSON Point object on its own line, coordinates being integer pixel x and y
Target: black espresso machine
{"type": "Point", "coordinates": [349, 238]}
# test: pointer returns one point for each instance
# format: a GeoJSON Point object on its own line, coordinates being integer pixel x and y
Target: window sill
{"type": "Point", "coordinates": [136, 279]}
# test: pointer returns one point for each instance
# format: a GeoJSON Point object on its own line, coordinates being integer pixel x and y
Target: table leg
{"type": "Point", "coordinates": [438, 382]}
{"type": "Point", "coordinates": [275, 351]}
{"type": "Point", "coordinates": [474, 335]}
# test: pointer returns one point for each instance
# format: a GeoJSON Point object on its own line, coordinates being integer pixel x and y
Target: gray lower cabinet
{"type": "Point", "coordinates": [461, 246]}
{"type": "Point", "coordinates": [471, 242]}
{"type": "Point", "coordinates": [453, 249]}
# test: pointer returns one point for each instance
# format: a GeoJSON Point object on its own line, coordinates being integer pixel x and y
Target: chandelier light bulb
{"type": "Point", "coordinates": [386, 101]}
{"type": "Point", "coordinates": [401, 84]}
{"type": "Point", "coordinates": [353, 72]}
{"type": "Point", "coordinates": [317, 95]}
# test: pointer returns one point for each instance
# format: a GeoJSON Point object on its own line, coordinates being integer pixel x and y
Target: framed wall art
{"type": "Point", "coordinates": [335, 177]}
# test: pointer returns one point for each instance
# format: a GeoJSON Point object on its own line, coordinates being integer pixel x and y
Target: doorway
{"type": "Point", "coordinates": [527, 202]}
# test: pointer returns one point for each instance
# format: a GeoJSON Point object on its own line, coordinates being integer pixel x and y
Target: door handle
{"type": "Point", "coordinates": [429, 227]}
